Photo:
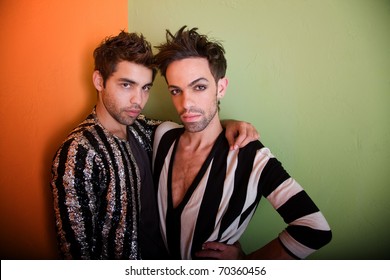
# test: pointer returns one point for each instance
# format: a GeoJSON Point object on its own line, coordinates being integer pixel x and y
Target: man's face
{"type": "Point", "coordinates": [194, 92]}
{"type": "Point", "coordinates": [126, 92]}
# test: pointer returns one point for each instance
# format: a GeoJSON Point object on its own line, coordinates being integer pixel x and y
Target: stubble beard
{"type": "Point", "coordinates": [203, 123]}
{"type": "Point", "coordinates": [119, 114]}
{"type": "Point", "coordinates": [124, 119]}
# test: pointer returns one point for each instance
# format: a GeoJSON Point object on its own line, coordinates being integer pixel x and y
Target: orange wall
{"type": "Point", "coordinates": [45, 89]}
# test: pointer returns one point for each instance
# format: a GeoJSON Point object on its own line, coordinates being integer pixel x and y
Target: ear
{"type": "Point", "coordinates": [97, 80]}
{"type": "Point", "coordinates": [222, 86]}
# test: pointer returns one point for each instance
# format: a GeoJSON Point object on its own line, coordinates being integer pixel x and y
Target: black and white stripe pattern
{"type": "Point", "coordinates": [225, 194]}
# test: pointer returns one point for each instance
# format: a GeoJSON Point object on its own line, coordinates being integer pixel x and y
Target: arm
{"type": "Point", "coordinates": [73, 213]}
{"type": "Point", "coordinates": [312, 230]}
{"type": "Point", "coordinates": [307, 229]}
{"type": "Point", "coordinates": [271, 251]}
{"type": "Point", "coordinates": [239, 133]}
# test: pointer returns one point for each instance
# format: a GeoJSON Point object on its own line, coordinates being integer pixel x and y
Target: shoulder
{"type": "Point", "coordinates": [256, 154]}
{"type": "Point", "coordinates": [165, 127]}
{"type": "Point", "coordinates": [144, 126]}
{"type": "Point", "coordinates": [256, 147]}
{"type": "Point", "coordinates": [165, 136]}
{"type": "Point", "coordinates": [143, 120]}
{"type": "Point", "coordinates": [82, 135]}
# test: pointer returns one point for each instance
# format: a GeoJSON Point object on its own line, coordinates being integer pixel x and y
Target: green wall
{"type": "Point", "coordinates": [314, 78]}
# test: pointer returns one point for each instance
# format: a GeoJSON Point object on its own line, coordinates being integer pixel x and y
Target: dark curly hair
{"type": "Point", "coordinates": [125, 46]}
{"type": "Point", "coordinates": [188, 44]}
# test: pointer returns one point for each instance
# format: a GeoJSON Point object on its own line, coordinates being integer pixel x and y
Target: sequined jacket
{"type": "Point", "coordinates": [96, 184]}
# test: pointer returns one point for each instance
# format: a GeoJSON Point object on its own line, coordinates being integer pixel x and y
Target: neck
{"type": "Point", "coordinates": [193, 141]}
{"type": "Point", "coordinates": [109, 123]}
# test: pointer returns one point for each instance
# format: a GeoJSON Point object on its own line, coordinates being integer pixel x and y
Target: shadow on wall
{"type": "Point", "coordinates": [54, 142]}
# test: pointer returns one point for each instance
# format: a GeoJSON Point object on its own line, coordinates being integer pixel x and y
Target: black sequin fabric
{"type": "Point", "coordinates": [96, 191]}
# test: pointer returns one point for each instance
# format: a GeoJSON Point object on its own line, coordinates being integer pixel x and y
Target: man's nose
{"type": "Point", "coordinates": [186, 100]}
{"type": "Point", "coordinates": [136, 97]}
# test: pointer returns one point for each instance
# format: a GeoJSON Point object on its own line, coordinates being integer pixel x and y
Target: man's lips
{"type": "Point", "coordinates": [189, 117]}
{"type": "Point", "coordinates": [133, 112]}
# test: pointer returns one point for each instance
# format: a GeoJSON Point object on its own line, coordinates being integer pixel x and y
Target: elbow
{"type": "Point", "coordinates": [326, 237]}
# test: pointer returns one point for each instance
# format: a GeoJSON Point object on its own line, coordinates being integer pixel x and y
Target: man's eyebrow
{"type": "Point", "coordinates": [127, 81]}
{"type": "Point", "coordinates": [198, 80]}
{"type": "Point", "coordinates": [191, 83]}
{"type": "Point", "coordinates": [172, 86]}
{"type": "Point", "coordinates": [134, 82]}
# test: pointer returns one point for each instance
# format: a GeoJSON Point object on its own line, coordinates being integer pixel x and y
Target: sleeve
{"type": "Point", "coordinates": [74, 184]}
{"type": "Point", "coordinates": [307, 229]}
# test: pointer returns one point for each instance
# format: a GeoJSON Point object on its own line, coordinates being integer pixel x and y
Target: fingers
{"type": "Point", "coordinates": [216, 250]}
{"type": "Point", "coordinates": [231, 138]}
{"type": "Point", "coordinates": [216, 246]}
{"type": "Point", "coordinates": [209, 254]}
{"type": "Point", "coordinates": [211, 250]}
{"type": "Point", "coordinates": [239, 133]}
{"type": "Point", "coordinates": [246, 134]}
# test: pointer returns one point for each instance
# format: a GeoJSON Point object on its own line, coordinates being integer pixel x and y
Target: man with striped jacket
{"type": "Point", "coordinates": [207, 193]}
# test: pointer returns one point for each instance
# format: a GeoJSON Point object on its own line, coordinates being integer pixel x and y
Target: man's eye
{"type": "Point", "coordinates": [147, 88]}
{"type": "Point", "coordinates": [126, 85]}
{"type": "Point", "coordinates": [200, 88]}
{"type": "Point", "coordinates": [175, 91]}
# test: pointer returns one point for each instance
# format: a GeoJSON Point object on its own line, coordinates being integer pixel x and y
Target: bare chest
{"type": "Point", "coordinates": [185, 169]}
